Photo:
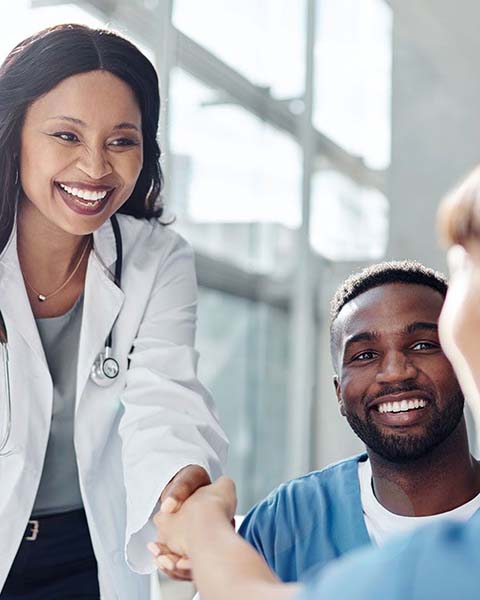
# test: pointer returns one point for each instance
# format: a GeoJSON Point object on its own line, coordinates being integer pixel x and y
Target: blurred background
{"type": "Point", "coordinates": [302, 140]}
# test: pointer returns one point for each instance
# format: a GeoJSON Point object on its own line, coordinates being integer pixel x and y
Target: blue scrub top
{"type": "Point", "coordinates": [309, 521]}
{"type": "Point", "coordinates": [439, 562]}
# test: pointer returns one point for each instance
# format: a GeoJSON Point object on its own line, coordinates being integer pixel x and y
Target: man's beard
{"type": "Point", "coordinates": [406, 447]}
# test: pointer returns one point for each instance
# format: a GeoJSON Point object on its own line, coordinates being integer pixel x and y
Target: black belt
{"type": "Point", "coordinates": [50, 524]}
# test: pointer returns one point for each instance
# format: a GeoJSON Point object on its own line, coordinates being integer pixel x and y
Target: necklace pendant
{"type": "Point", "coordinates": [41, 298]}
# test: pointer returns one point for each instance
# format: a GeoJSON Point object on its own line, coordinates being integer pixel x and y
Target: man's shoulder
{"type": "Point", "coordinates": [332, 475]}
{"type": "Point", "coordinates": [315, 488]}
{"type": "Point", "coordinates": [309, 521]}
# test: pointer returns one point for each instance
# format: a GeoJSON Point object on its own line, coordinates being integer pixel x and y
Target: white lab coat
{"type": "Point", "coordinates": [130, 438]}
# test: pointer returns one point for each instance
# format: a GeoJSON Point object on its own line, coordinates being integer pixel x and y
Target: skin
{"type": "Point", "coordinates": [388, 349]}
{"type": "Point", "coordinates": [461, 316]}
{"type": "Point", "coordinates": [226, 562]}
{"type": "Point", "coordinates": [181, 487]}
{"type": "Point", "coordinates": [75, 134]}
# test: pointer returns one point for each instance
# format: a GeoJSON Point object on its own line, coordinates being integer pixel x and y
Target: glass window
{"type": "Point", "coordinates": [244, 346]}
{"type": "Point", "coordinates": [19, 21]}
{"type": "Point", "coordinates": [262, 40]}
{"type": "Point", "coordinates": [353, 76]}
{"type": "Point", "coordinates": [349, 222]}
{"type": "Point", "coordinates": [228, 171]}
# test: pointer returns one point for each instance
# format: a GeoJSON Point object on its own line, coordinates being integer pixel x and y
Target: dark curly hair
{"type": "Point", "coordinates": [42, 61]}
{"type": "Point", "coordinates": [401, 271]}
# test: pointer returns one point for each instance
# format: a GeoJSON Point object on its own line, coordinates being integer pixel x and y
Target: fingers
{"type": "Point", "coordinates": [185, 564]}
{"type": "Point", "coordinates": [216, 502]}
{"type": "Point", "coordinates": [170, 505]}
{"type": "Point", "coordinates": [154, 549]}
{"type": "Point", "coordinates": [182, 486]}
{"type": "Point", "coordinates": [172, 565]}
{"type": "Point", "coordinates": [164, 523]}
{"type": "Point", "coordinates": [177, 574]}
{"type": "Point", "coordinates": [159, 549]}
{"type": "Point", "coordinates": [225, 486]}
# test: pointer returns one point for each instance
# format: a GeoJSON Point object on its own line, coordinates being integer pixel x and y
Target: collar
{"type": "Point", "coordinates": [103, 246]}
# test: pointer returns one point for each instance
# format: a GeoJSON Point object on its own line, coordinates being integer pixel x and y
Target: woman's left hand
{"type": "Point", "coordinates": [181, 487]}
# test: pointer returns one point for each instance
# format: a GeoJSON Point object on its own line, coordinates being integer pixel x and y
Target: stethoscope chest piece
{"type": "Point", "coordinates": [105, 369]}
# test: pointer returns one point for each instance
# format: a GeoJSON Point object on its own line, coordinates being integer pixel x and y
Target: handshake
{"type": "Point", "coordinates": [185, 519]}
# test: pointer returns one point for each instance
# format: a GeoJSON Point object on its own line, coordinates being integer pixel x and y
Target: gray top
{"type": "Point", "coordinates": [59, 489]}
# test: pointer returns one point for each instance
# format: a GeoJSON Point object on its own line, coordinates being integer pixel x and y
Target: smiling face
{"type": "Point", "coordinates": [395, 386]}
{"type": "Point", "coordinates": [81, 151]}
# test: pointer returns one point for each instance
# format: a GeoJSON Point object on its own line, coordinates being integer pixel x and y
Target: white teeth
{"type": "Point", "coordinates": [402, 406]}
{"type": "Point", "coordinates": [88, 195]}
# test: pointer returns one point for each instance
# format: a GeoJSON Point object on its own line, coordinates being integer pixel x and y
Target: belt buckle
{"type": "Point", "coordinates": [35, 525]}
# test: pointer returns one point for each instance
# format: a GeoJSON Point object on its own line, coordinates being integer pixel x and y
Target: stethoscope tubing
{"type": "Point", "coordinates": [118, 267]}
{"type": "Point", "coordinates": [107, 352]}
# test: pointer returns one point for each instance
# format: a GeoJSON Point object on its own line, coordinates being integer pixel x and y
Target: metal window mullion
{"type": "Point", "coordinates": [213, 72]}
{"type": "Point", "coordinates": [303, 326]}
{"type": "Point", "coordinates": [165, 52]}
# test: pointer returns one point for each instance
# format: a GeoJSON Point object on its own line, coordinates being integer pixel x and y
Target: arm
{"type": "Point", "coordinates": [169, 420]}
{"type": "Point", "coordinates": [440, 561]}
{"type": "Point", "coordinates": [221, 560]}
{"type": "Point", "coordinates": [268, 527]}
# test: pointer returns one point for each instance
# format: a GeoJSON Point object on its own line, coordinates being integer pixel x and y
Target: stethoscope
{"type": "Point", "coordinates": [104, 370]}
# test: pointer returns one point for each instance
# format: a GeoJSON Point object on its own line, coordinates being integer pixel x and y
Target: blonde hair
{"type": "Point", "coordinates": [459, 213]}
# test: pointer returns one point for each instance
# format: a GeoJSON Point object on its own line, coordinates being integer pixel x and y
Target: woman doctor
{"type": "Point", "coordinates": [88, 446]}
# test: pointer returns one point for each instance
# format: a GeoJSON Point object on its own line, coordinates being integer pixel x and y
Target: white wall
{"type": "Point", "coordinates": [435, 117]}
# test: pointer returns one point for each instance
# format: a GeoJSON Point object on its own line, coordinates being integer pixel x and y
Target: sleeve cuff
{"type": "Point", "coordinates": [137, 555]}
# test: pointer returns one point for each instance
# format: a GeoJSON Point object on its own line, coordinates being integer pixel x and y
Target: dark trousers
{"type": "Point", "coordinates": [55, 561]}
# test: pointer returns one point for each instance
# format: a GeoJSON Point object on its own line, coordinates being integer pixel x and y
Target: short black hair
{"type": "Point", "coordinates": [402, 271]}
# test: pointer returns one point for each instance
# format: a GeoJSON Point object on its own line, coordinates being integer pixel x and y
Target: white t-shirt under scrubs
{"type": "Point", "coordinates": [382, 524]}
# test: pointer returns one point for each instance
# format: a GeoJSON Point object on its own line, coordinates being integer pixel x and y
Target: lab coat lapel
{"type": "Point", "coordinates": [14, 302]}
{"type": "Point", "coordinates": [103, 300]}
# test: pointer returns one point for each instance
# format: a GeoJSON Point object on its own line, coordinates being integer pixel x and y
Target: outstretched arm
{"type": "Point", "coordinates": [171, 439]}
{"type": "Point", "coordinates": [222, 561]}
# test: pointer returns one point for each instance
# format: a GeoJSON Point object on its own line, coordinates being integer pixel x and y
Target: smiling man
{"type": "Point", "coordinates": [400, 395]}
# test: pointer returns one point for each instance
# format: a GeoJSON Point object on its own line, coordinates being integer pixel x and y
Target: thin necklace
{"type": "Point", "coordinates": [44, 297]}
